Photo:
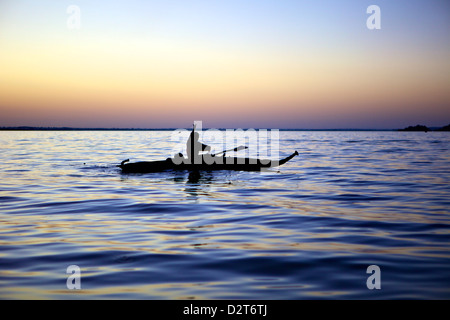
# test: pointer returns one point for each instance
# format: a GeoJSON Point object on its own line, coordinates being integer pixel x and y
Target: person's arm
{"type": "Point", "coordinates": [206, 148]}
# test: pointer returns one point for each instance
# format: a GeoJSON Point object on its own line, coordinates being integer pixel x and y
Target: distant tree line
{"type": "Point", "coordinates": [420, 127]}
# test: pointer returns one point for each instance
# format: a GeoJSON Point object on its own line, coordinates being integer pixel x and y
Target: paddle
{"type": "Point", "coordinates": [232, 150]}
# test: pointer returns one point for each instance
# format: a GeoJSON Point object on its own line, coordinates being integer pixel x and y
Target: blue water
{"type": "Point", "coordinates": [306, 230]}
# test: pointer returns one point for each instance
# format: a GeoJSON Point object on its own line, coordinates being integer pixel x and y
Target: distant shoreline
{"type": "Point", "coordinates": [417, 128]}
{"type": "Point", "coordinates": [26, 128]}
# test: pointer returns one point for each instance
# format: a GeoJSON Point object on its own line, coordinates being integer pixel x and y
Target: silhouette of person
{"type": "Point", "coordinates": [194, 147]}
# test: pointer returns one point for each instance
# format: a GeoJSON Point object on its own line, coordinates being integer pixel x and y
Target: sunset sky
{"type": "Point", "coordinates": [230, 63]}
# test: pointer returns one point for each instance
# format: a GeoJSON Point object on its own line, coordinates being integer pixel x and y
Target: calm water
{"type": "Point", "coordinates": [308, 230]}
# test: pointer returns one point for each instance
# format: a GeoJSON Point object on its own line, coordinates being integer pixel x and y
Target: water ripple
{"type": "Point", "coordinates": [308, 229]}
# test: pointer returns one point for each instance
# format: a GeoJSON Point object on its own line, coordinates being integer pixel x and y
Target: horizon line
{"type": "Point", "coordinates": [64, 128]}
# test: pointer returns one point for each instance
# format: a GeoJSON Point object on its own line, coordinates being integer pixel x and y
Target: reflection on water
{"type": "Point", "coordinates": [308, 229]}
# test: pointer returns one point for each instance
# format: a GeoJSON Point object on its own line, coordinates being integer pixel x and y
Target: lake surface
{"type": "Point", "coordinates": [306, 230]}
